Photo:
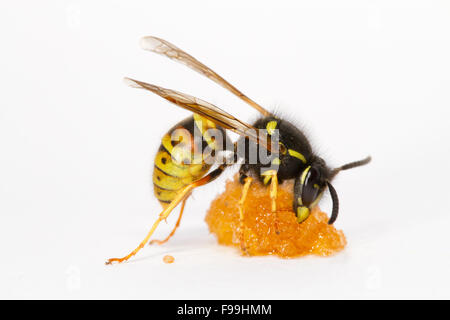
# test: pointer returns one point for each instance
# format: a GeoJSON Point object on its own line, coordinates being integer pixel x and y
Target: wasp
{"type": "Point", "coordinates": [289, 156]}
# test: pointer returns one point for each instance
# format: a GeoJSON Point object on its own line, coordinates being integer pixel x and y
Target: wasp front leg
{"type": "Point", "coordinates": [272, 175]}
{"type": "Point", "coordinates": [247, 182]}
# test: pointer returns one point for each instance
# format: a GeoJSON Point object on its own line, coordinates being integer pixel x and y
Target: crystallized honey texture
{"type": "Point", "coordinates": [313, 236]}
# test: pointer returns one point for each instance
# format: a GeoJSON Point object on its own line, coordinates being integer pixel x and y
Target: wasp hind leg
{"type": "Point", "coordinates": [174, 229]}
{"type": "Point", "coordinates": [183, 195]}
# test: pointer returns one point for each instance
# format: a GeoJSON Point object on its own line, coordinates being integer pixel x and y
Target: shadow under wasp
{"type": "Point", "coordinates": [290, 155]}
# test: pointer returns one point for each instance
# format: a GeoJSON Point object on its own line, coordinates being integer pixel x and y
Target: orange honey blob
{"type": "Point", "coordinates": [313, 236]}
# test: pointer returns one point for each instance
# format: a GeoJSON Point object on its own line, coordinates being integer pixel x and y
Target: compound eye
{"type": "Point", "coordinates": [311, 187]}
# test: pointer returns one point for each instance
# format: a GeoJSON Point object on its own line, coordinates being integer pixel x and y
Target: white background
{"type": "Point", "coordinates": [77, 145]}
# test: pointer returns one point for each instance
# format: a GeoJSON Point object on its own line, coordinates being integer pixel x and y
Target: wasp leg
{"type": "Point", "coordinates": [247, 184]}
{"type": "Point", "coordinates": [273, 197]}
{"type": "Point", "coordinates": [173, 230]}
{"type": "Point", "coordinates": [183, 195]}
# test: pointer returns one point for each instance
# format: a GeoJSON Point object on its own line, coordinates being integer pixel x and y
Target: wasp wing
{"type": "Point", "coordinates": [167, 49]}
{"type": "Point", "coordinates": [207, 110]}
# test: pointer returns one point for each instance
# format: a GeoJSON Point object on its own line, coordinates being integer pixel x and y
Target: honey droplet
{"type": "Point", "coordinates": [168, 259]}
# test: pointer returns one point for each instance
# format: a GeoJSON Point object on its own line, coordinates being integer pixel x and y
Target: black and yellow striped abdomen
{"type": "Point", "coordinates": [179, 160]}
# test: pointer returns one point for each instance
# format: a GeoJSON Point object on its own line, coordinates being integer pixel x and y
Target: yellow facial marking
{"type": "Point", "coordinates": [302, 214]}
{"type": "Point", "coordinates": [304, 173]}
{"type": "Point", "coordinates": [299, 200]}
{"type": "Point", "coordinates": [297, 155]}
{"type": "Point", "coordinates": [271, 126]}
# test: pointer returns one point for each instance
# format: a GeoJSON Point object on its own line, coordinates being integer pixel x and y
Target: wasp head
{"type": "Point", "coordinates": [309, 187]}
{"type": "Point", "coordinates": [312, 182]}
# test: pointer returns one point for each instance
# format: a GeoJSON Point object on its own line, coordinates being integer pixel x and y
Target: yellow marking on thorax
{"type": "Point", "coordinates": [276, 161]}
{"type": "Point", "coordinates": [271, 126]}
{"type": "Point", "coordinates": [297, 155]}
